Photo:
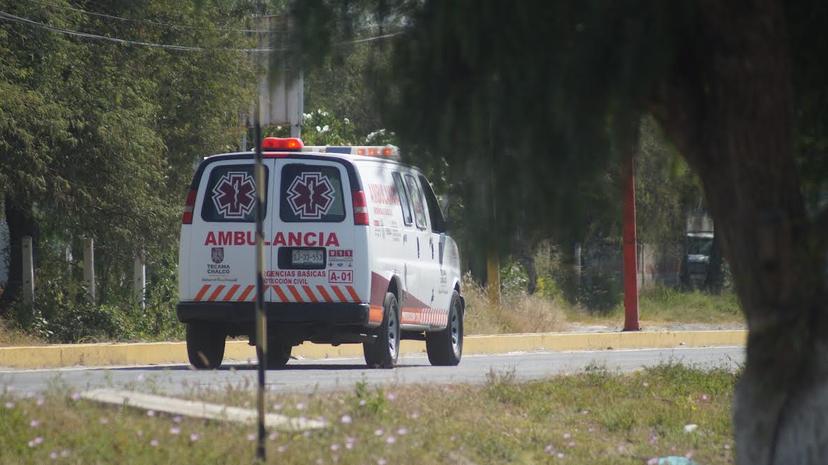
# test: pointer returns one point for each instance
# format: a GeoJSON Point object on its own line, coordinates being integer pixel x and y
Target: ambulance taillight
{"type": "Point", "coordinates": [360, 208]}
{"type": "Point", "coordinates": [189, 206]}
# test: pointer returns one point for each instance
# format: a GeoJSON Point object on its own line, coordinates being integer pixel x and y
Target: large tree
{"type": "Point", "coordinates": [98, 138]}
{"type": "Point", "coordinates": [531, 101]}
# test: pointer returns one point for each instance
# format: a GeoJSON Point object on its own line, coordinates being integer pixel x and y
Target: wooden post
{"type": "Point", "coordinates": [89, 267]}
{"type": "Point", "coordinates": [139, 283]}
{"type": "Point", "coordinates": [28, 271]}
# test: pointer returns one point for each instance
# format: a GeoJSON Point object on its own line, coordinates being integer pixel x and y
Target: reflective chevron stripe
{"type": "Point", "coordinates": [424, 316]}
{"type": "Point", "coordinates": [282, 293]}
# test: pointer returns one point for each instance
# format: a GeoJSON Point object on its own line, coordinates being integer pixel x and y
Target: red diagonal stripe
{"type": "Point", "coordinates": [353, 293]}
{"type": "Point", "coordinates": [201, 292]}
{"type": "Point", "coordinates": [310, 294]}
{"type": "Point", "coordinates": [280, 293]}
{"type": "Point", "coordinates": [295, 293]}
{"type": "Point", "coordinates": [339, 294]}
{"type": "Point", "coordinates": [216, 293]}
{"type": "Point", "coordinates": [231, 292]}
{"type": "Point", "coordinates": [324, 293]}
{"type": "Point", "coordinates": [246, 293]}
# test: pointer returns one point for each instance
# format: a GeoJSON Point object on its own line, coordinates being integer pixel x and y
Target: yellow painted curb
{"type": "Point", "coordinates": [65, 355]}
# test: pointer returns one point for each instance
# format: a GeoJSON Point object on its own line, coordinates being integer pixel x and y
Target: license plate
{"type": "Point", "coordinates": [307, 257]}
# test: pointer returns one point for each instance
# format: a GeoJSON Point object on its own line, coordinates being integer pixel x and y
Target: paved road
{"type": "Point", "coordinates": [310, 375]}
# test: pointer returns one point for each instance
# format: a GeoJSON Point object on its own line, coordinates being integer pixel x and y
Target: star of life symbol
{"type": "Point", "coordinates": [234, 194]}
{"type": "Point", "coordinates": [310, 195]}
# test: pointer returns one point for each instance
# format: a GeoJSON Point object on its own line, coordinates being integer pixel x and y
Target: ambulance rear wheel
{"type": "Point", "coordinates": [205, 345]}
{"type": "Point", "coordinates": [445, 347]}
{"type": "Point", "coordinates": [385, 350]}
{"type": "Point", "coordinates": [277, 355]}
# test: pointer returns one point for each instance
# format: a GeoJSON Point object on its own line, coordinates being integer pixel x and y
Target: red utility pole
{"type": "Point", "coordinates": [630, 252]}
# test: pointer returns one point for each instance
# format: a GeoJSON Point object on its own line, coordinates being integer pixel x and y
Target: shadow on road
{"type": "Point", "coordinates": [252, 367]}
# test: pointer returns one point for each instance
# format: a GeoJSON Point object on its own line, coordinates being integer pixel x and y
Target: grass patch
{"type": "Point", "coordinates": [664, 305]}
{"type": "Point", "coordinates": [594, 417]}
{"type": "Point", "coordinates": [667, 304]}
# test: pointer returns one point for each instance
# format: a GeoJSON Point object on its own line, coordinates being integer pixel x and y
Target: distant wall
{"type": "Point", "coordinates": [657, 265]}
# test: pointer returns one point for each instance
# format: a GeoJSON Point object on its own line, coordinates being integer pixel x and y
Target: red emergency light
{"type": "Point", "coordinates": [282, 143]}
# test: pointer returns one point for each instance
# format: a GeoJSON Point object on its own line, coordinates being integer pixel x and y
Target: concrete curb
{"type": "Point", "coordinates": [66, 355]}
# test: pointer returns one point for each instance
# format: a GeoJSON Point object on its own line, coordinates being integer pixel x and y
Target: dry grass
{"type": "Point", "coordinates": [517, 313]}
{"type": "Point", "coordinates": [10, 336]}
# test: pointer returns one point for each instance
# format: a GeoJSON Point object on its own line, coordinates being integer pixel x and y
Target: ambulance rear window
{"type": "Point", "coordinates": [231, 195]}
{"type": "Point", "coordinates": [311, 193]}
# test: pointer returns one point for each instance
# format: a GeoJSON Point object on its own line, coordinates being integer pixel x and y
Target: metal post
{"type": "Point", "coordinates": [630, 256]}
{"type": "Point", "coordinates": [493, 276]}
{"type": "Point", "coordinates": [28, 271]}
{"type": "Point", "coordinates": [139, 284]}
{"type": "Point", "coordinates": [261, 319]}
{"type": "Point", "coordinates": [578, 267]}
{"type": "Point", "coordinates": [89, 267]}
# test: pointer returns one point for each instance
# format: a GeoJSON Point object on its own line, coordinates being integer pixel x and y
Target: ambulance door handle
{"type": "Point", "coordinates": [431, 243]}
{"type": "Point", "coordinates": [418, 247]}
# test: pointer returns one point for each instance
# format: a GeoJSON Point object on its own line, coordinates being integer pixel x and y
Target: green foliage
{"type": "Point", "coordinates": [322, 127]}
{"type": "Point", "coordinates": [666, 191]}
{"type": "Point", "coordinates": [99, 140]}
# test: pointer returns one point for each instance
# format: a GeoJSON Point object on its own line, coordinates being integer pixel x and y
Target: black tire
{"type": "Point", "coordinates": [385, 350]}
{"type": "Point", "coordinates": [445, 348]}
{"type": "Point", "coordinates": [205, 345]}
{"type": "Point", "coordinates": [277, 355]}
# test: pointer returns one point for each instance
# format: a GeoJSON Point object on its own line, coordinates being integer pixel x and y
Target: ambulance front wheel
{"type": "Point", "coordinates": [445, 347]}
{"type": "Point", "coordinates": [205, 345]}
{"type": "Point", "coordinates": [385, 350]}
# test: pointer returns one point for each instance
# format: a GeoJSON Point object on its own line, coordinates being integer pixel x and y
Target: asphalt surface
{"type": "Point", "coordinates": [316, 375]}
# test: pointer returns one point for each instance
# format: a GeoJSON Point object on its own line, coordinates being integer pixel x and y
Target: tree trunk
{"type": "Point", "coordinates": [728, 107]}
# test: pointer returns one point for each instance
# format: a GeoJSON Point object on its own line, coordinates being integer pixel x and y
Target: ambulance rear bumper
{"type": "Point", "coordinates": [277, 312]}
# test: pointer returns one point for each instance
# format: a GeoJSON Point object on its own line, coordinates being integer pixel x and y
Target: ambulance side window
{"type": "Point", "coordinates": [231, 195]}
{"type": "Point", "coordinates": [417, 201]}
{"type": "Point", "coordinates": [438, 223]}
{"type": "Point", "coordinates": [311, 193]}
{"type": "Point", "coordinates": [405, 204]}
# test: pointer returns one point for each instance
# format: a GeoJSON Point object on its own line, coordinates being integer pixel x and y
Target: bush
{"type": "Point", "coordinates": [63, 312]}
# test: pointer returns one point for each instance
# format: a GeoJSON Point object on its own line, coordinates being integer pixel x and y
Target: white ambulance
{"type": "Point", "coordinates": [356, 251]}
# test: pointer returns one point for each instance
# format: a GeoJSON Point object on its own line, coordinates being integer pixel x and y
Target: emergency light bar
{"type": "Point", "coordinates": [282, 143]}
{"type": "Point", "coordinates": [380, 151]}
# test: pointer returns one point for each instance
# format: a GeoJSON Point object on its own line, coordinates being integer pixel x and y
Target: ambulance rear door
{"type": "Point", "coordinates": [219, 265]}
{"type": "Point", "coordinates": [315, 248]}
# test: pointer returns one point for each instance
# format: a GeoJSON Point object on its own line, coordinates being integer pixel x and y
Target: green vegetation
{"type": "Point", "coordinates": [593, 417]}
{"type": "Point", "coordinates": [98, 139]}
{"type": "Point", "coordinates": [520, 312]}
